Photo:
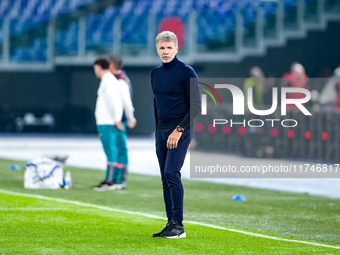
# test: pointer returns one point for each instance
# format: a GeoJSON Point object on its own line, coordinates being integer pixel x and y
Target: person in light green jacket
{"type": "Point", "coordinates": [255, 81]}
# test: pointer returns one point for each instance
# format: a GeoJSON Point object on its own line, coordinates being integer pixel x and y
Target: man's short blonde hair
{"type": "Point", "coordinates": [166, 36]}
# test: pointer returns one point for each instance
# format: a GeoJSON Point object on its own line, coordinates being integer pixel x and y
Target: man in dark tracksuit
{"type": "Point", "coordinates": [175, 99]}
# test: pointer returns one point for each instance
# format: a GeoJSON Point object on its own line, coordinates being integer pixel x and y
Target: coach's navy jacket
{"type": "Point", "coordinates": [175, 96]}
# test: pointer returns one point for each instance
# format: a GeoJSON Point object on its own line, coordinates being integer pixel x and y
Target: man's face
{"type": "Point", "coordinates": [166, 51]}
{"type": "Point", "coordinates": [97, 70]}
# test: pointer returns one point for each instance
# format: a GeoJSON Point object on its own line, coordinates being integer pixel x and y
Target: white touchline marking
{"type": "Point", "coordinates": [161, 218]}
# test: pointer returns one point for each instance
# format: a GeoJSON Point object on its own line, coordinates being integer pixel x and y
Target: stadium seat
{"type": "Point", "coordinates": [66, 42]}
{"type": "Point", "coordinates": [216, 19]}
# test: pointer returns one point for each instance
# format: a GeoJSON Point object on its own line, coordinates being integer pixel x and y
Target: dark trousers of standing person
{"type": "Point", "coordinates": [170, 163]}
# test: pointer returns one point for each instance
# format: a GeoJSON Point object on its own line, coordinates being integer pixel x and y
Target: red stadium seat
{"type": "Point", "coordinates": [175, 25]}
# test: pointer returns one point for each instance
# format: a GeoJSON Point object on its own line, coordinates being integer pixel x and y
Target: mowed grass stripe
{"type": "Point", "coordinates": [157, 217]}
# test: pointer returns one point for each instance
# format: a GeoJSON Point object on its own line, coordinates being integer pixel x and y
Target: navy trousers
{"type": "Point", "coordinates": [170, 164]}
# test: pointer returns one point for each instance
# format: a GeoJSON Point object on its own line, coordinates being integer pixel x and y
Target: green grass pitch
{"type": "Point", "coordinates": [82, 221]}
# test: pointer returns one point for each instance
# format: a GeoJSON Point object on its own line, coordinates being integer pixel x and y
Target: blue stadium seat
{"type": "Point", "coordinates": [100, 28]}
{"type": "Point", "coordinates": [249, 13]}
{"type": "Point", "coordinates": [269, 8]}
{"type": "Point", "coordinates": [288, 3]}
{"type": "Point", "coordinates": [215, 19]}
{"type": "Point", "coordinates": [4, 8]}
{"type": "Point", "coordinates": [34, 52]}
{"type": "Point", "coordinates": [66, 42]}
{"type": "Point", "coordinates": [38, 50]}
{"type": "Point", "coordinates": [20, 55]}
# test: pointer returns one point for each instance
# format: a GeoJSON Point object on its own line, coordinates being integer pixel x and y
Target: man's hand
{"type": "Point", "coordinates": [173, 139]}
{"type": "Point", "coordinates": [119, 125]}
{"type": "Point", "coordinates": [132, 123]}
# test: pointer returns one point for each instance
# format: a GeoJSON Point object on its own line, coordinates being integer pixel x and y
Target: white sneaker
{"type": "Point", "coordinates": [120, 185]}
{"type": "Point", "coordinates": [104, 186]}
